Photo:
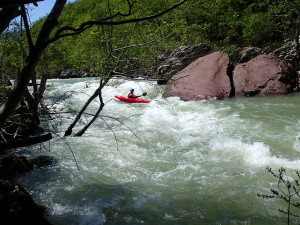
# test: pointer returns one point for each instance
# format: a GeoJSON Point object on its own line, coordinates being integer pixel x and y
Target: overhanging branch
{"type": "Point", "coordinates": [106, 21]}
{"type": "Point", "coordinates": [13, 3]}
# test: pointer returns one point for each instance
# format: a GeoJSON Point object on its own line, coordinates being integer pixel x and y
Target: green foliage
{"type": "Point", "coordinates": [233, 52]}
{"type": "Point", "coordinates": [13, 50]}
{"type": "Point", "coordinates": [258, 29]}
{"type": "Point", "coordinates": [228, 25]}
{"type": "Point", "coordinates": [288, 190]}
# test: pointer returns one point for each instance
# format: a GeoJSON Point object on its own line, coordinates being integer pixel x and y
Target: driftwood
{"type": "Point", "coordinates": [22, 142]}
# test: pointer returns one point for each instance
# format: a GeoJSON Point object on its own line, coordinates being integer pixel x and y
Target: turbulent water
{"type": "Point", "coordinates": [167, 161]}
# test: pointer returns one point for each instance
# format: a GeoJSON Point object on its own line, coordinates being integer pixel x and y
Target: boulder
{"type": "Point", "coordinates": [75, 73]}
{"type": "Point", "coordinates": [264, 75]}
{"type": "Point", "coordinates": [205, 78]}
{"type": "Point", "coordinates": [17, 206]}
{"type": "Point", "coordinates": [41, 161]}
{"type": "Point", "coordinates": [13, 165]}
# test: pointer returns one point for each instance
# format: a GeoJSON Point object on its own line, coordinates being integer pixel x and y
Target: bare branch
{"type": "Point", "coordinates": [106, 21]}
{"type": "Point", "coordinates": [123, 125]}
{"type": "Point", "coordinates": [26, 24]}
{"type": "Point", "coordinates": [116, 139]}
{"type": "Point", "coordinates": [81, 132]}
{"type": "Point", "coordinates": [70, 150]}
{"type": "Point", "coordinates": [133, 46]}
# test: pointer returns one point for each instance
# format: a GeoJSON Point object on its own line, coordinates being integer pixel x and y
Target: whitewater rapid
{"type": "Point", "coordinates": [167, 161]}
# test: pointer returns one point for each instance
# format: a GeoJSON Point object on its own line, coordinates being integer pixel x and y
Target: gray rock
{"type": "Point", "coordinates": [179, 59]}
{"type": "Point", "coordinates": [288, 52]}
{"type": "Point", "coordinates": [74, 73]}
{"type": "Point", "coordinates": [249, 53]}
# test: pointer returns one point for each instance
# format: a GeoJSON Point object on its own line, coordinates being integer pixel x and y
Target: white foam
{"type": "Point", "coordinates": [255, 154]}
{"type": "Point", "coordinates": [183, 148]}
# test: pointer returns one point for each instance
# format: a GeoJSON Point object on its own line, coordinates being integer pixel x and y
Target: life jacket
{"type": "Point", "coordinates": [130, 95]}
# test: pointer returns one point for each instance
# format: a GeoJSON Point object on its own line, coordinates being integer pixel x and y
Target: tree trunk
{"type": "Point", "coordinates": [21, 85]}
{"type": "Point", "coordinates": [297, 37]}
{"type": "Point", "coordinates": [102, 84]}
{"type": "Point", "coordinates": [81, 132]}
{"type": "Point", "coordinates": [70, 128]}
{"type": "Point", "coordinates": [33, 58]}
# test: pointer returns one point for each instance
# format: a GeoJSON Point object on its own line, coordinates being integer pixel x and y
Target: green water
{"type": "Point", "coordinates": [168, 162]}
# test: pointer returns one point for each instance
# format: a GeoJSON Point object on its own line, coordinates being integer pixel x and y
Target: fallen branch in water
{"type": "Point", "coordinates": [22, 142]}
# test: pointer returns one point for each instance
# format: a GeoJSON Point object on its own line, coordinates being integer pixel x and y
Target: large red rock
{"type": "Point", "coordinates": [205, 78]}
{"type": "Point", "coordinates": [264, 75]}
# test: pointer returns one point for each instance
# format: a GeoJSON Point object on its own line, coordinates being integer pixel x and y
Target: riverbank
{"type": "Point", "coordinates": [16, 204]}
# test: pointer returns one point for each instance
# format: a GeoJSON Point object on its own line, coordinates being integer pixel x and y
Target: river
{"type": "Point", "coordinates": [166, 162]}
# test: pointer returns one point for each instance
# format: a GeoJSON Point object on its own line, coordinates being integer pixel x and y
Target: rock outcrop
{"type": "Point", "coordinates": [264, 75]}
{"type": "Point", "coordinates": [16, 205]}
{"type": "Point", "coordinates": [288, 52]}
{"type": "Point", "coordinates": [73, 73]}
{"type": "Point", "coordinates": [214, 77]}
{"type": "Point", "coordinates": [249, 53]}
{"type": "Point", "coordinates": [205, 78]}
{"type": "Point", "coordinates": [14, 165]}
{"type": "Point", "coordinates": [178, 59]}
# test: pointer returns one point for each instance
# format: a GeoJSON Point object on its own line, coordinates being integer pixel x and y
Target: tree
{"type": "Point", "coordinates": [45, 38]}
{"type": "Point", "coordinates": [32, 60]}
{"type": "Point", "coordinates": [10, 10]}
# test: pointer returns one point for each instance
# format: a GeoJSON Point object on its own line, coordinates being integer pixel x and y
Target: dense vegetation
{"type": "Point", "coordinates": [223, 24]}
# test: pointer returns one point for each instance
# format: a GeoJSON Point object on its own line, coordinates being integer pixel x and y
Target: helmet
{"type": "Point", "coordinates": [131, 90]}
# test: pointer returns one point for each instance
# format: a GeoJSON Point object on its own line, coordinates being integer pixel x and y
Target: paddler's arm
{"type": "Point", "coordinates": [137, 96]}
{"type": "Point", "coordinates": [144, 94]}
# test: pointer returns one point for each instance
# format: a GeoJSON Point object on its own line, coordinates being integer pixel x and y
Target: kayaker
{"type": "Point", "coordinates": [132, 95]}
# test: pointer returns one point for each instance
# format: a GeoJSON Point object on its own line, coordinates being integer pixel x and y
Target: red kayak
{"type": "Point", "coordinates": [131, 100]}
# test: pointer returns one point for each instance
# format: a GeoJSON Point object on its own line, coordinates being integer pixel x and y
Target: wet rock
{"type": "Point", "coordinates": [205, 78]}
{"type": "Point", "coordinates": [264, 75]}
{"type": "Point", "coordinates": [17, 206]}
{"type": "Point", "coordinates": [74, 73]}
{"type": "Point", "coordinates": [41, 161]}
{"type": "Point", "coordinates": [13, 165]}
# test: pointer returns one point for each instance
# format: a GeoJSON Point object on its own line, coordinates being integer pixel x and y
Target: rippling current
{"type": "Point", "coordinates": [166, 162]}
